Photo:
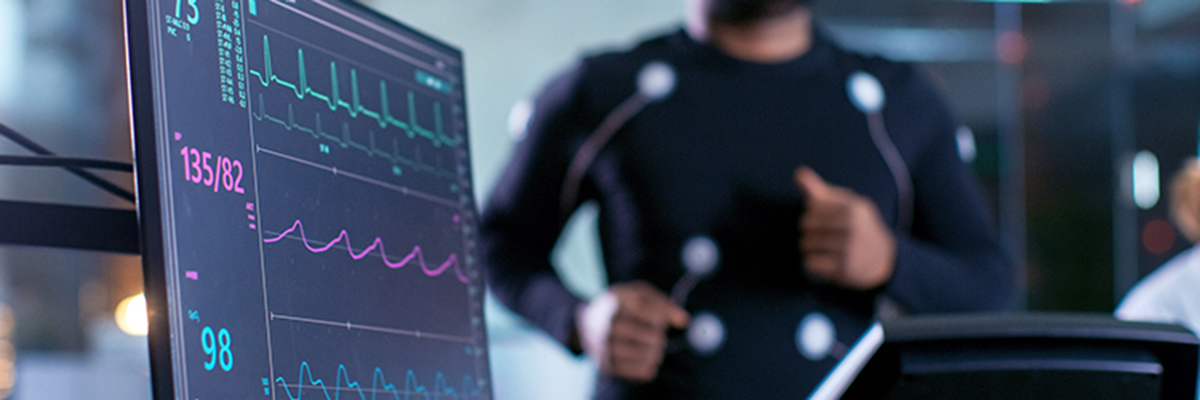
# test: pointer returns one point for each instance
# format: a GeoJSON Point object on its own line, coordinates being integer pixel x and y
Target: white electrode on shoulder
{"type": "Point", "coordinates": [866, 92]}
{"type": "Point", "coordinates": [656, 80]}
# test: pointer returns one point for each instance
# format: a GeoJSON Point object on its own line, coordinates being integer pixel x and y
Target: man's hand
{"type": "Point", "coordinates": [625, 329]}
{"type": "Point", "coordinates": [842, 237]}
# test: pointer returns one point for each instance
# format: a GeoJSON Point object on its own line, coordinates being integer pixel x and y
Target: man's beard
{"type": "Point", "coordinates": [745, 11]}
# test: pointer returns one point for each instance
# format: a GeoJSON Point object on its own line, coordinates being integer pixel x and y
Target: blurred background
{"type": "Point", "coordinates": [1075, 116]}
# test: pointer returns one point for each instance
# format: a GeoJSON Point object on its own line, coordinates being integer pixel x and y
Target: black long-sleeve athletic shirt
{"type": "Point", "coordinates": [716, 158]}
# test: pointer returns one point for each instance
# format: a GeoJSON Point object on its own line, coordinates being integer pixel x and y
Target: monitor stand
{"type": "Point", "coordinates": [68, 226]}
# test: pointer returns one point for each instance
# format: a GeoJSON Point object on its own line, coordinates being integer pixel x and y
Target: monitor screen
{"type": "Point", "coordinates": [305, 199]}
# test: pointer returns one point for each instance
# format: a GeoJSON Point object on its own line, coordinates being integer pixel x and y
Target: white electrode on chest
{"type": "Point", "coordinates": [815, 336]}
{"type": "Point", "coordinates": [700, 256]}
{"type": "Point", "coordinates": [866, 92]}
{"type": "Point", "coordinates": [706, 334]}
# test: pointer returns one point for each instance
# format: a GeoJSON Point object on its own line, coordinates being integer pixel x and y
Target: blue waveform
{"type": "Point", "coordinates": [379, 384]}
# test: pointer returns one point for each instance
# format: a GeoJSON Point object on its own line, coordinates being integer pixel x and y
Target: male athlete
{"type": "Point", "coordinates": [759, 190]}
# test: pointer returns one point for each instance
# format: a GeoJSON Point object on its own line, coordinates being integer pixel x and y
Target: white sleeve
{"type": "Point", "coordinates": [1145, 303]}
{"type": "Point", "coordinates": [1166, 294]}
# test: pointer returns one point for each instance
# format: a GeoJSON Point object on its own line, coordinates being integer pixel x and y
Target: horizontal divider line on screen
{"type": "Point", "coordinates": [373, 328]}
{"type": "Point", "coordinates": [389, 50]}
{"type": "Point", "coordinates": [462, 204]}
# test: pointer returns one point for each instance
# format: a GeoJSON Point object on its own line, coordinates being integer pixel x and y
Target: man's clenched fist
{"type": "Point", "coordinates": [625, 329]}
{"type": "Point", "coordinates": [842, 236]}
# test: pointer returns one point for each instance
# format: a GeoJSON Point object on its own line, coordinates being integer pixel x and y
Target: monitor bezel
{"type": "Point", "coordinates": [143, 120]}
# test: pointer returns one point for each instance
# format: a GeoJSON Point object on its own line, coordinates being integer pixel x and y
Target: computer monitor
{"type": "Point", "coordinates": [305, 202]}
{"type": "Point", "coordinates": [1019, 356]}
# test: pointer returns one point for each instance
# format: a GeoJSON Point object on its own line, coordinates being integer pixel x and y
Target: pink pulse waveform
{"type": "Point", "coordinates": [451, 261]}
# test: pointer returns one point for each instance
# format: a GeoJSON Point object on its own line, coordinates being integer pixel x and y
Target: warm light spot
{"type": "Point", "coordinates": [1011, 47]}
{"type": "Point", "coordinates": [8, 368]}
{"type": "Point", "coordinates": [8, 376]}
{"type": "Point", "coordinates": [1158, 236]}
{"type": "Point", "coordinates": [6, 321]}
{"type": "Point", "coordinates": [132, 315]}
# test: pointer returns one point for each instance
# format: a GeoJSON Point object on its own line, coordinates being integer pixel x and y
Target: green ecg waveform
{"type": "Point", "coordinates": [346, 141]}
{"type": "Point", "coordinates": [353, 106]}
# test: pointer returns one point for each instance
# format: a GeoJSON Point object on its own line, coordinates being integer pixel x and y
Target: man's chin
{"type": "Point", "coordinates": [745, 11]}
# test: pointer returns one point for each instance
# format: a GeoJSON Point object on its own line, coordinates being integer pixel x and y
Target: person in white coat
{"type": "Point", "coordinates": [1169, 294]}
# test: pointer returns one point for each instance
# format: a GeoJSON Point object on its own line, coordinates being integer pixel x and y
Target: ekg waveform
{"type": "Point", "coordinates": [412, 389]}
{"type": "Point", "coordinates": [416, 254]}
{"type": "Point", "coordinates": [346, 141]}
{"type": "Point", "coordinates": [354, 106]}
